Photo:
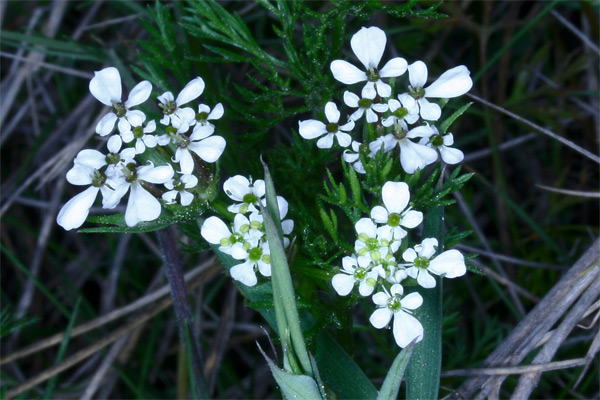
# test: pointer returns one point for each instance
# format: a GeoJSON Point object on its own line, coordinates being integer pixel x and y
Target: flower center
{"type": "Point", "coordinates": [201, 117]}
{"type": "Point", "coordinates": [169, 108]}
{"type": "Point", "coordinates": [360, 273]}
{"type": "Point", "coordinates": [236, 238]}
{"type": "Point", "coordinates": [138, 132]}
{"type": "Point", "coordinates": [400, 113]}
{"type": "Point", "coordinates": [393, 303]}
{"type": "Point", "coordinates": [98, 178]}
{"type": "Point", "coordinates": [417, 93]}
{"type": "Point", "coordinates": [119, 109]}
{"type": "Point", "coordinates": [394, 220]}
{"type": "Point", "coordinates": [436, 140]}
{"type": "Point", "coordinates": [180, 141]}
{"type": "Point", "coordinates": [331, 127]}
{"type": "Point", "coordinates": [421, 262]}
{"type": "Point", "coordinates": [178, 185]}
{"type": "Point", "coordinates": [112, 158]}
{"type": "Point", "coordinates": [250, 198]}
{"type": "Point", "coordinates": [365, 103]}
{"type": "Point", "coordinates": [373, 75]}
{"type": "Point", "coordinates": [399, 132]}
{"type": "Point", "coordinates": [130, 172]}
{"type": "Point", "coordinates": [372, 244]}
{"type": "Point", "coordinates": [255, 254]}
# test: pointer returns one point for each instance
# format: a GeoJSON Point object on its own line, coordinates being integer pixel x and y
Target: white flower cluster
{"type": "Point", "coordinates": [374, 264]}
{"type": "Point", "coordinates": [406, 120]}
{"type": "Point", "coordinates": [245, 240]}
{"type": "Point", "coordinates": [117, 172]}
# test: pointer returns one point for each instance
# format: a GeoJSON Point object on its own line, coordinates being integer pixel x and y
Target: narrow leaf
{"type": "Point", "coordinates": [393, 379]}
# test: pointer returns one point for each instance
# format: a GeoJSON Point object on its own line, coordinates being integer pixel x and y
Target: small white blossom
{"type": "Point", "coordinates": [449, 154]}
{"type": "Point", "coordinates": [172, 108]}
{"type": "Point", "coordinates": [244, 190]}
{"type": "Point", "coordinates": [141, 134]}
{"type": "Point", "coordinates": [422, 263]}
{"type": "Point", "coordinates": [204, 114]}
{"type": "Point", "coordinates": [405, 108]}
{"type": "Point", "coordinates": [452, 83]}
{"type": "Point", "coordinates": [311, 129]}
{"type": "Point", "coordinates": [368, 45]}
{"type": "Point", "coordinates": [179, 187]}
{"type": "Point", "coordinates": [258, 258]}
{"type": "Point", "coordinates": [208, 148]}
{"type": "Point", "coordinates": [406, 328]}
{"type": "Point", "coordinates": [356, 270]}
{"type": "Point", "coordinates": [376, 243]}
{"type": "Point", "coordinates": [352, 156]}
{"type": "Point", "coordinates": [106, 87]}
{"type": "Point", "coordinates": [236, 241]}
{"type": "Point", "coordinates": [365, 105]}
{"type": "Point", "coordinates": [395, 214]}
{"type": "Point", "coordinates": [413, 155]}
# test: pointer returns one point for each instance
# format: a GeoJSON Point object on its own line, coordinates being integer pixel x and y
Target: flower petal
{"type": "Point", "coordinates": [331, 112]}
{"type": "Point", "coordinates": [429, 111]}
{"type": "Point", "coordinates": [73, 214]}
{"type": "Point", "coordinates": [209, 149]}
{"type": "Point", "coordinates": [366, 226]}
{"type": "Point", "coordinates": [380, 317]}
{"type": "Point", "coordinates": [106, 124]}
{"type": "Point", "coordinates": [343, 283]}
{"type": "Point", "coordinates": [191, 91]}
{"type": "Point", "coordinates": [343, 139]}
{"type": "Point", "coordinates": [451, 155]}
{"type": "Point", "coordinates": [351, 99]}
{"type": "Point", "coordinates": [379, 214]}
{"type": "Point", "coordinates": [106, 86]}
{"type": "Point", "coordinates": [139, 94]}
{"type": "Point", "coordinates": [159, 174]}
{"type": "Point", "coordinates": [411, 219]}
{"type": "Point", "coordinates": [347, 73]}
{"type": "Point", "coordinates": [237, 187]}
{"type": "Point", "coordinates": [395, 196]}
{"type": "Point", "coordinates": [450, 262]}
{"type": "Point", "coordinates": [141, 206]}
{"type": "Point", "coordinates": [395, 67]}
{"type": "Point", "coordinates": [414, 156]}
{"type": "Point", "coordinates": [452, 83]}
{"type": "Point", "coordinates": [368, 44]}
{"type": "Point", "coordinates": [406, 329]}
{"type": "Point", "coordinates": [244, 273]}
{"type": "Point", "coordinates": [217, 112]}
{"type": "Point", "coordinates": [428, 247]}
{"type": "Point", "coordinates": [311, 129]}
{"type": "Point", "coordinates": [325, 142]}
{"type": "Point", "coordinates": [383, 89]}
{"type": "Point", "coordinates": [201, 132]}
{"type": "Point", "coordinates": [409, 255]}
{"type": "Point", "coordinates": [425, 279]}
{"type": "Point", "coordinates": [417, 74]}
{"type": "Point", "coordinates": [213, 230]}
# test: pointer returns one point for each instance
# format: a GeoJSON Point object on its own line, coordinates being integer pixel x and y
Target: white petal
{"type": "Point", "coordinates": [406, 329]}
{"type": "Point", "coordinates": [106, 86]}
{"type": "Point", "coordinates": [216, 113]}
{"type": "Point", "coordinates": [311, 129]}
{"type": "Point", "coordinates": [347, 73]}
{"type": "Point", "coordinates": [368, 44]}
{"type": "Point", "coordinates": [395, 67]}
{"type": "Point", "coordinates": [366, 226]}
{"type": "Point", "coordinates": [383, 89]}
{"type": "Point", "coordinates": [452, 83]}
{"type": "Point", "coordinates": [287, 226]}
{"type": "Point", "coordinates": [395, 196]}
{"type": "Point", "coordinates": [106, 124]}
{"type": "Point", "coordinates": [451, 155]}
{"type": "Point", "coordinates": [331, 112]}
{"type": "Point", "coordinates": [380, 299]}
{"type": "Point", "coordinates": [209, 149]}
{"type": "Point", "coordinates": [73, 214]}
{"type": "Point", "coordinates": [150, 140]}
{"type": "Point", "coordinates": [237, 187]}
{"type": "Point", "coordinates": [451, 263]}
{"type": "Point", "coordinates": [368, 91]}
{"type": "Point", "coordinates": [343, 283]}
{"type": "Point", "coordinates": [415, 156]}
{"type": "Point", "coordinates": [379, 214]}
{"type": "Point", "coordinates": [139, 94]}
{"type": "Point", "coordinates": [186, 115]}
{"type": "Point", "coordinates": [159, 174]}
{"type": "Point", "coordinates": [186, 198]}
{"type": "Point", "coordinates": [165, 98]}
{"type": "Point", "coordinates": [190, 92]}
{"type": "Point", "coordinates": [417, 74]}
{"type": "Point", "coordinates": [244, 273]}
{"type": "Point", "coordinates": [127, 136]}
{"type": "Point", "coordinates": [409, 255]}
{"type": "Point", "coordinates": [170, 196]}
{"type": "Point", "coordinates": [114, 144]}
{"type": "Point", "coordinates": [351, 99]}
{"type": "Point", "coordinates": [380, 318]}
{"type": "Point", "coordinates": [282, 205]}
{"type": "Point", "coordinates": [371, 116]}
{"type": "Point", "coordinates": [349, 264]}
{"type": "Point", "coordinates": [213, 230]}
{"type": "Point", "coordinates": [428, 247]}
{"type": "Point", "coordinates": [364, 288]}
{"type": "Point", "coordinates": [201, 132]}
{"type": "Point", "coordinates": [429, 111]}
{"type": "Point", "coordinates": [90, 158]}
{"type": "Point", "coordinates": [412, 219]}
{"type": "Point", "coordinates": [189, 181]}
{"type": "Point", "coordinates": [141, 206]}
{"type": "Point", "coordinates": [80, 175]}
{"type": "Point", "coordinates": [343, 139]}
{"type": "Point", "coordinates": [425, 279]}
{"type": "Point", "coordinates": [412, 301]}
{"type": "Point", "coordinates": [325, 142]}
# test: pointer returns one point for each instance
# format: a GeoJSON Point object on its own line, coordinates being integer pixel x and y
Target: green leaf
{"type": "Point", "coordinates": [443, 127]}
{"type": "Point", "coordinates": [293, 386]}
{"type": "Point", "coordinates": [393, 379]}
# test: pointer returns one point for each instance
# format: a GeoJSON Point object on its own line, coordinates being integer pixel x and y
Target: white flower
{"type": "Point", "coordinates": [406, 327]}
{"type": "Point", "coordinates": [449, 264]}
{"type": "Point", "coordinates": [117, 158]}
{"type": "Point", "coordinates": [141, 205]}
{"type": "Point", "coordinates": [365, 106]}
{"type": "Point", "coordinates": [452, 83]}
{"type": "Point", "coordinates": [172, 107]}
{"type": "Point", "coordinates": [178, 187]}
{"type": "Point", "coordinates": [413, 155]}
{"type": "Point", "coordinates": [405, 108]}
{"type": "Point", "coordinates": [376, 243]}
{"type": "Point", "coordinates": [234, 242]}
{"type": "Point", "coordinates": [140, 133]}
{"type": "Point", "coordinates": [85, 171]}
{"type": "Point", "coordinates": [353, 157]}
{"type": "Point", "coordinates": [356, 270]}
{"type": "Point", "coordinates": [311, 129]}
{"type": "Point", "coordinates": [368, 45]}
{"type": "Point", "coordinates": [205, 115]}
{"type": "Point", "coordinates": [395, 215]}
{"type": "Point", "coordinates": [106, 87]}
{"type": "Point", "coordinates": [442, 144]}
{"type": "Point", "coordinates": [207, 147]}
{"type": "Point", "coordinates": [244, 190]}
{"type": "Point", "coordinates": [258, 259]}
